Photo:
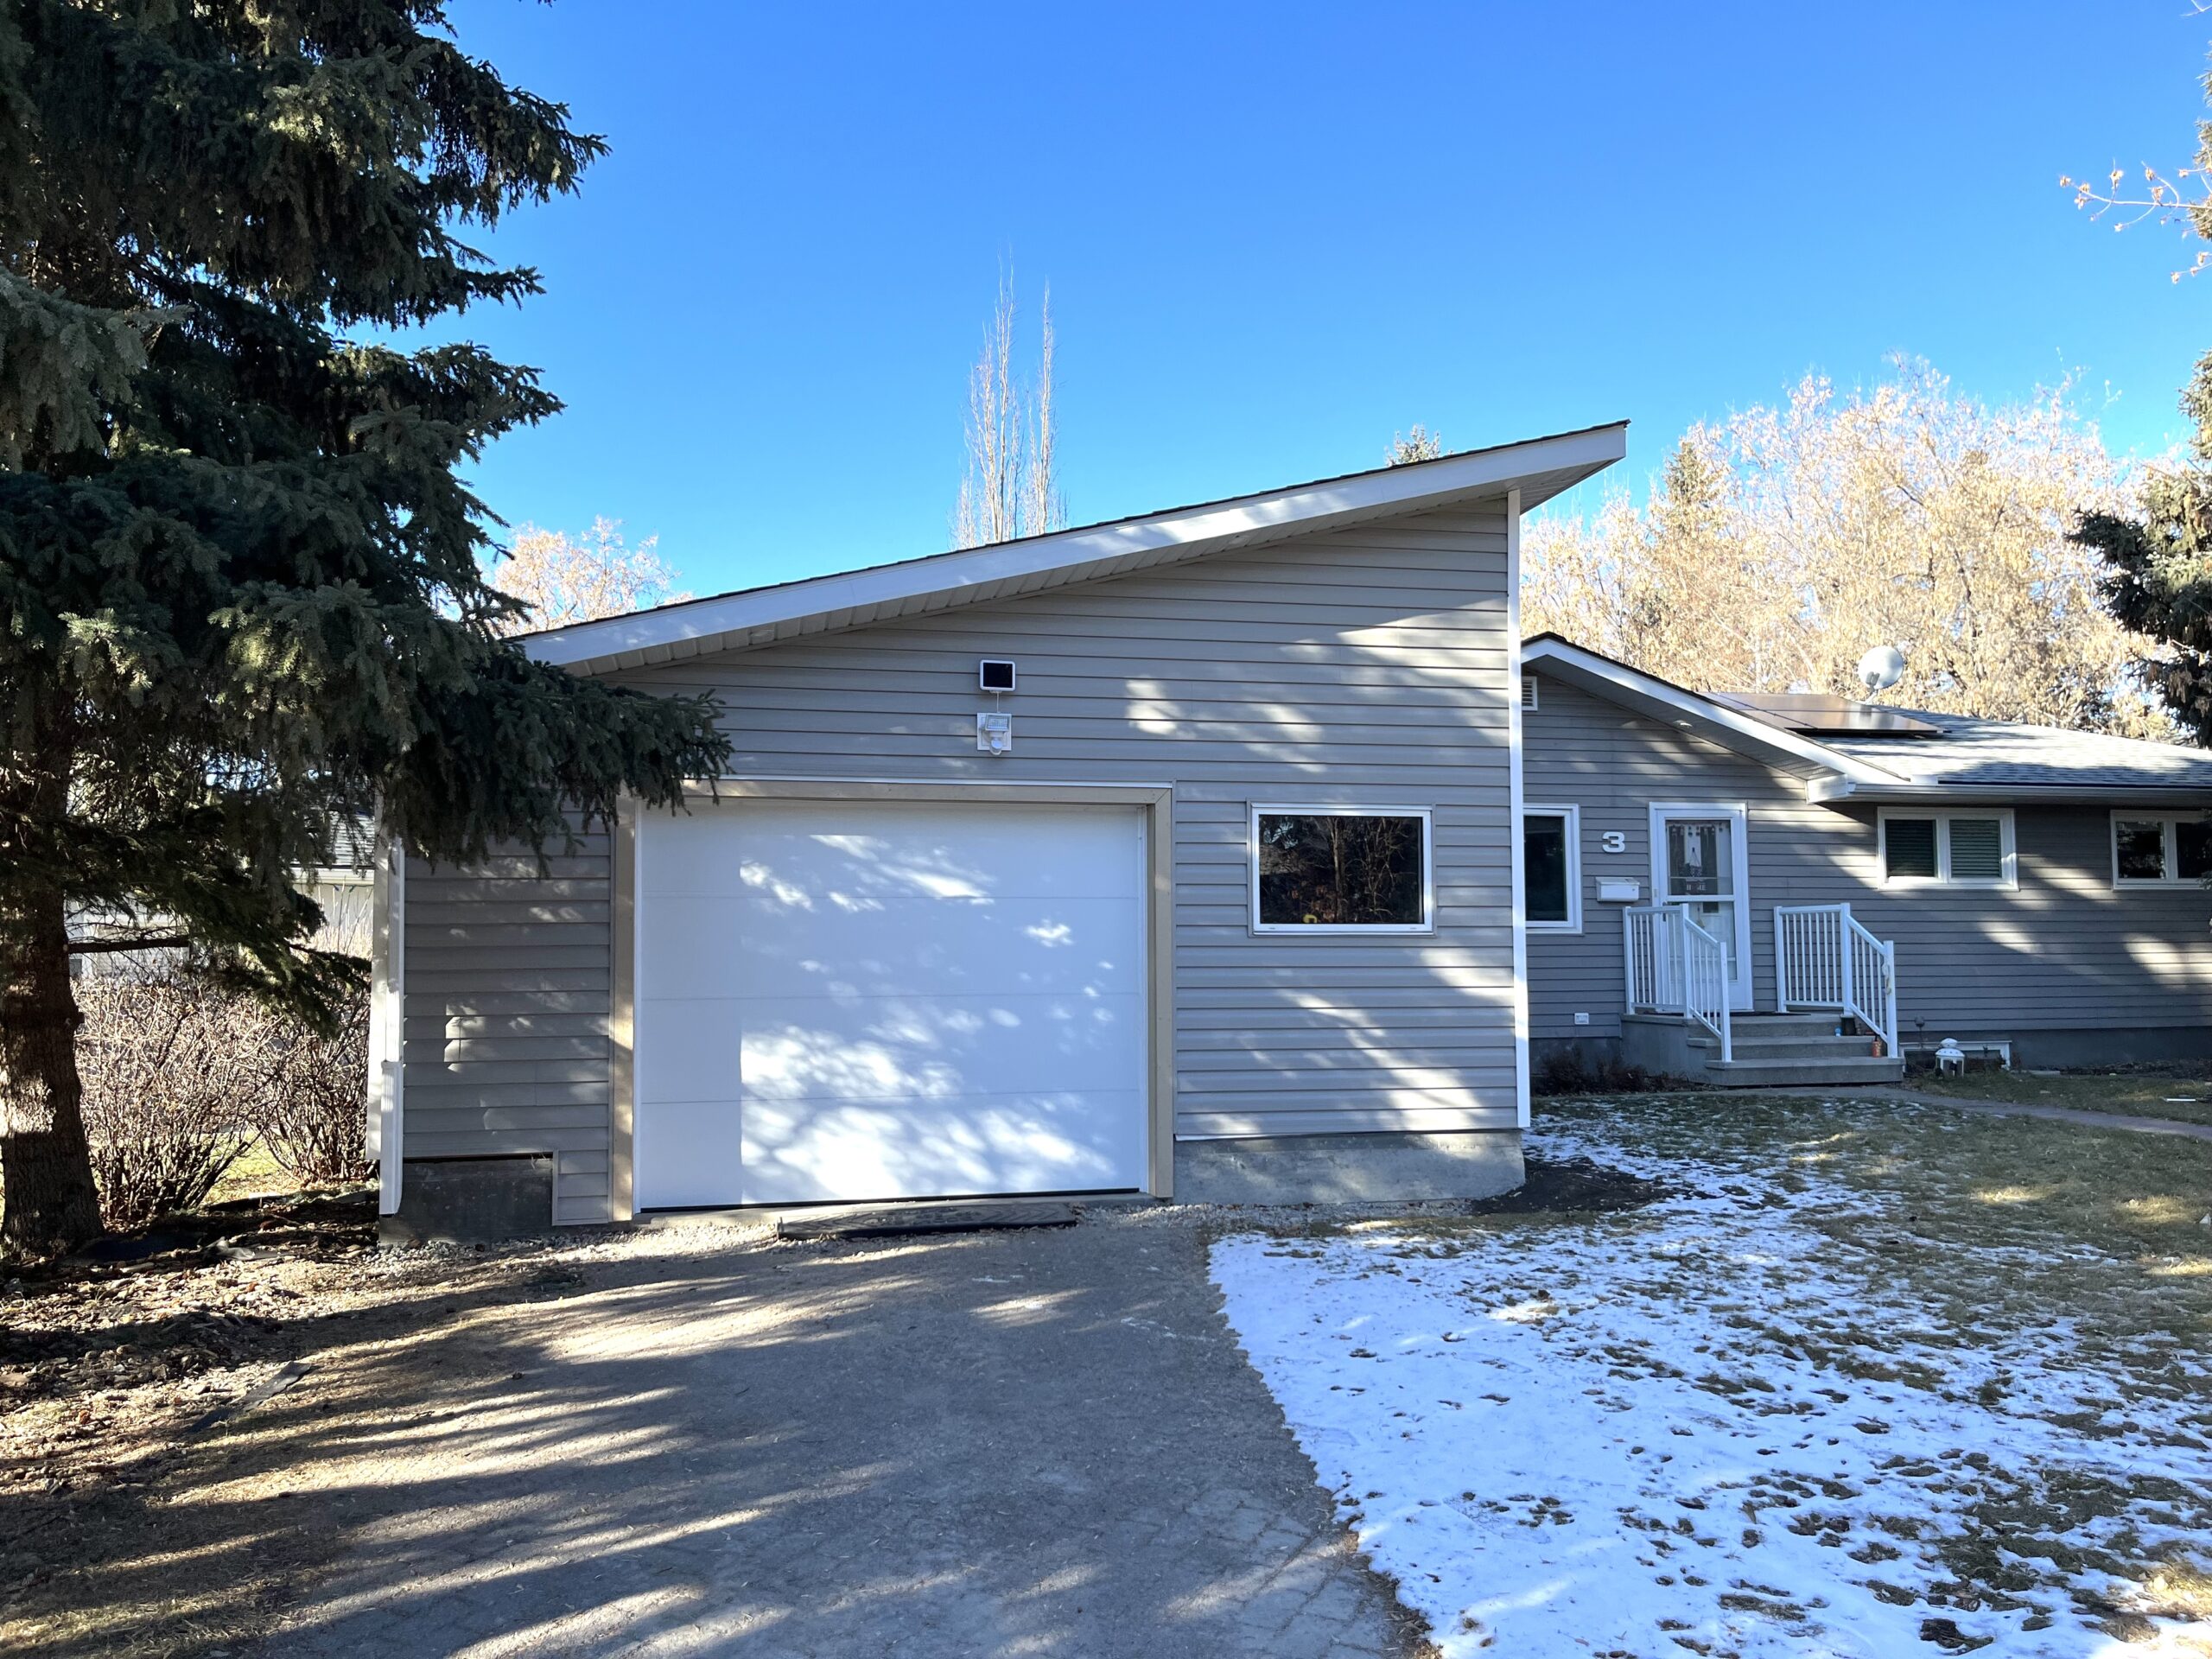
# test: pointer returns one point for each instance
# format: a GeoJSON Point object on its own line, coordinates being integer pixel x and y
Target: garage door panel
{"type": "Point", "coordinates": [1074, 946]}
{"type": "Point", "coordinates": [696, 944]}
{"type": "Point", "coordinates": [937, 1049]}
{"type": "Point", "coordinates": [687, 1152]}
{"type": "Point", "coordinates": [1071, 1141]}
{"type": "Point", "coordinates": [929, 852]}
{"type": "Point", "coordinates": [689, 1049]}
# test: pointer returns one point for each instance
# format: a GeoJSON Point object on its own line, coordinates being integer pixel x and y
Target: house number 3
{"type": "Point", "coordinates": [1614, 841]}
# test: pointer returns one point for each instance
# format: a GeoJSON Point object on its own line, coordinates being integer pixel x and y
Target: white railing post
{"type": "Point", "coordinates": [1845, 951]}
{"type": "Point", "coordinates": [1893, 1050]}
{"type": "Point", "coordinates": [1780, 962]}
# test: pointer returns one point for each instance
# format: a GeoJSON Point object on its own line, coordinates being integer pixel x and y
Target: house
{"type": "Point", "coordinates": [1902, 877]}
{"type": "Point", "coordinates": [1185, 856]}
{"type": "Point", "coordinates": [1176, 854]}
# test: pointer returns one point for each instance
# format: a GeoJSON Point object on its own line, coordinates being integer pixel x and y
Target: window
{"type": "Point", "coordinates": [1551, 867]}
{"type": "Point", "coordinates": [1340, 869]}
{"type": "Point", "coordinates": [2161, 849]}
{"type": "Point", "coordinates": [1946, 848]}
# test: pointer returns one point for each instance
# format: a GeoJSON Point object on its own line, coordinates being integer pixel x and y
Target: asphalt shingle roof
{"type": "Point", "coordinates": [1972, 751]}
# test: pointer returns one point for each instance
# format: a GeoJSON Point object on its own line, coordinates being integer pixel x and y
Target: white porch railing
{"type": "Point", "coordinates": [1823, 958]}
{"type": "Point", "coordinates": [1676, 967]}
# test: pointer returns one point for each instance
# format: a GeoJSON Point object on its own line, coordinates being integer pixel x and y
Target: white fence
{"type": "Point", "coordinates": [1676, 967]}
{"type": "Point", "coordinates": [1823, 958]}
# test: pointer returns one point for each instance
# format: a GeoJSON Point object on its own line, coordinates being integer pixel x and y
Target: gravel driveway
{"type": "Point", "coordinates": [1031, 1442]}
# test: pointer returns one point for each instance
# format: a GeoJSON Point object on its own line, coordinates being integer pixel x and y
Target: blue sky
{"type": "Point", "coordinates": [1277, 233]}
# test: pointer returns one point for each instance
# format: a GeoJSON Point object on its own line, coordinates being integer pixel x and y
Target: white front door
{"type": "Point", "coordinates": [1699, 866]}
{"type": "Point", "coordinates": [862, 999]}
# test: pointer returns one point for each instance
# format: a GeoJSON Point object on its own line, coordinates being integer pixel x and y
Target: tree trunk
{"type": "Point", "coordinates": [48, 1201]}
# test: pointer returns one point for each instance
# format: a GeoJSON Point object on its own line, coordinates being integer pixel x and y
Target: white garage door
{"type": "Point", "coordinates": [877, 999]}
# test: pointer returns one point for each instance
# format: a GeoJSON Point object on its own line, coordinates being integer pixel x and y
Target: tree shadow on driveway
{"type": "Point", "coordinates": [1003, 1443]}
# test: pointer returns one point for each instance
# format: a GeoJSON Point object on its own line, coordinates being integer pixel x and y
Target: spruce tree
{"type": "Point", "coordinates": [239, 593]}
{"type": "Point", "coordinates": [2161, 584]}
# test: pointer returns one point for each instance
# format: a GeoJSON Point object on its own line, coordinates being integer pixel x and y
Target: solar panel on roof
{"type": "Point", "coordinates": [1816, 712]}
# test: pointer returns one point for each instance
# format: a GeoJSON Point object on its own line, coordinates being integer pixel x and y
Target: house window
{"type": "Point", "coordinates": [1951, 849]}
{"type": "Point", "coordinates": [1326, 869]}
{"type": "Point", "coordinates": [1551, 866]}
{"type": "Point", "coordinates": [2161, 849]}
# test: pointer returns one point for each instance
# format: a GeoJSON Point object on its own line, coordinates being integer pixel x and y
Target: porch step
{"type": "Point", "coordinates": [1824, 1047]}
{"type": "Point", "coordinates": [1781, 1024]}
{"type": "Point", "coordinates": [1835, 1072]}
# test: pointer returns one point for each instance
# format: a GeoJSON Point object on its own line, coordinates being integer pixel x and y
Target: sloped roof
{"type": "Point", "coordinates": [1968, 759]}
{"type": "Point", "coordinates": [1539, 467]}
{"type": "Point", "coordinates": [1974, 751]}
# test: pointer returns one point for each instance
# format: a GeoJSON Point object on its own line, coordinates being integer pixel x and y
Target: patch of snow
{"type": "Point", "coordinates": [1709, 1428]}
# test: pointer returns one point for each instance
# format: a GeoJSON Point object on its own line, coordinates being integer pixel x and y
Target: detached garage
{"type": "Point", "coordinates": [1176, 855]}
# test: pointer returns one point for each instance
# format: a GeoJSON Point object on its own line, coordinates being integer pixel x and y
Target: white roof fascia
{"type": "Point", "coordinates": [1688, 709]}
{"type": "Point", "coordinates": [761, 615]}
{"type": "Point", "coordinates": [2145, 795]}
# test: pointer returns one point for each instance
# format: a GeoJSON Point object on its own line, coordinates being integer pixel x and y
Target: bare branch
{"type": "Point", "coordinates": [142, 942]}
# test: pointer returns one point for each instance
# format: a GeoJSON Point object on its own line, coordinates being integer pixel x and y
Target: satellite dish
{"type": "Point", "coordinates": [1881, 667]}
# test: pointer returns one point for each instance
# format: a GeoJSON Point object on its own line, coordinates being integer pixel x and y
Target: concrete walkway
{"type": "Point", "coordinates": [2015, 1109]}
{"type": "Point", "coordinates": [1016, 1443]}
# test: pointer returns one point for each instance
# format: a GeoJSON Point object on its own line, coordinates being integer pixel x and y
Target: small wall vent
{"type": "Point", "coordinates": [1527, 690]}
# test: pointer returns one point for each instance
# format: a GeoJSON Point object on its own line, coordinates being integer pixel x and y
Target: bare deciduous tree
{"type": "Point", "coordinates": [1420, 444]}
{"type": "Point", "coordinates": [1778, 547]}
{"type": "Point", "coordinates": [1009, 488]}
{"type": "Point", "coordinates": [565, 579]}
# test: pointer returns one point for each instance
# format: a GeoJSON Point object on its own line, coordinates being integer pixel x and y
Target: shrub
{"type": "Point", "coordinates": [171, 1067]}
{"type": "Point", "coordinates": [309, 1110]}
{"type": "Point", "coordinates": [1563, 1071]}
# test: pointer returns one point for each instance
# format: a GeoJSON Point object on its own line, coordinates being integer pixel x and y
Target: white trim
{"type": "Point", "coordinates": [1739, 988]}
{"type": "Point", "coordinates": [1154, 805]}
{"type": "Point", "coordinates": [2170, 848]}
{"type": "Point", "coordinates": [1516, 729]}
{"type": "Point", "coordinates": [387, 1032]}
{"type": "Point", "coordinates": [1273, 809]}
{"type": "Point", "coordinates": [2009, 882]}
{"type": "Point", "coordinates": [855, 598]}
{"type": "Point", "coordinates": [1572, 814]}
{"type": "Point", "coordinates": [1634, 681]}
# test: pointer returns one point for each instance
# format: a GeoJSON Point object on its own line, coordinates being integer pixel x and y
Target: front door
{"type": "Point", "coordinates": [1698, 865]}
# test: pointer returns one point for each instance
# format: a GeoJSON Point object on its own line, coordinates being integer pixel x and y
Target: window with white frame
{"type": "Point", "coordinates": [2157, 849]}
{"type": "Point", "coordinates": [1340, 869]}
{"type": "Point", "coordinates": [1962, 848]}
{"type": "Point", "coordinates": [1551, 867]}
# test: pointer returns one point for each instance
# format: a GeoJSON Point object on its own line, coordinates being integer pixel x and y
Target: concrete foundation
{"type": "Point", "coordinates": [2063, 1048]}
{"type": "Point", "coordinates": [1348, 1168]}
{"type": "Point", "coordinates": [471, 1200]}
{"type": "Point", "coordinates": [1662, 1046]}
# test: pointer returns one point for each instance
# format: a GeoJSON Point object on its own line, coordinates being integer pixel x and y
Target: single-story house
{"type": "Point", "coordinates": [1183, 855]}
{"type": "Point", "coordinates": [1904, 877]}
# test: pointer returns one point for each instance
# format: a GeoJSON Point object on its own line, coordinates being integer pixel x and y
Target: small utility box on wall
{"type": "Point", "coordinates": [1618, 889]}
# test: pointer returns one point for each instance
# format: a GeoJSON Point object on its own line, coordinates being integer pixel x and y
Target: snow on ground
{"type": "Point", "coordinates": [1711, 1426]}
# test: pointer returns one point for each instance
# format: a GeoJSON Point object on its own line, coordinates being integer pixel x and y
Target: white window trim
{"type": "Point", "coordinates": [1427, 923]}
{"type": "Point", "coordinates": [2170, 842]}
{"type": "Point", "coordinates": [1572, 814]}
{"type": "Point", "coordinates": [2008, 882]}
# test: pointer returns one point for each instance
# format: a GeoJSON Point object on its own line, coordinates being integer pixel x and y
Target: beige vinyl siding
{"type": "Point", "coordinates": [1359, 667]}
{"type": "Point", "coordinates": [2065, 951]}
